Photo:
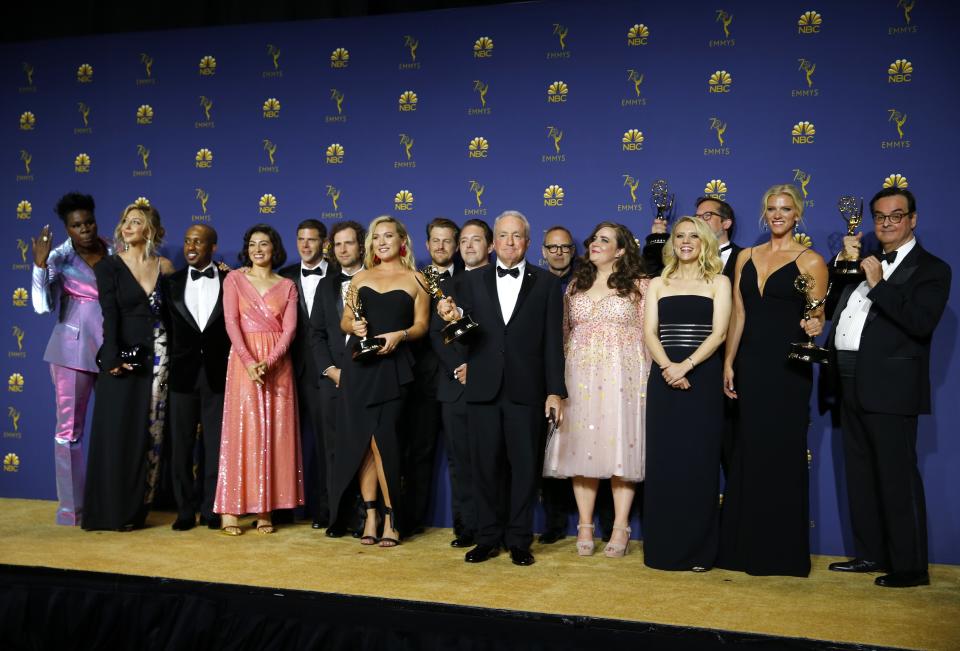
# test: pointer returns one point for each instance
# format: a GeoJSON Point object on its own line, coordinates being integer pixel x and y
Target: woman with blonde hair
{"type": "Point", "coordinates": [395, 310]}
{"type": "Point", "coordinates": [130, 409]}
{"type": "Point", "coordinates": [688, 308]}
{"type": "Point", "coordinates": [765, 527]}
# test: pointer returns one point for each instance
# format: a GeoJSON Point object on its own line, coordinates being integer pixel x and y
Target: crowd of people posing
{"type": "Point", "coordinates": [623, 368]}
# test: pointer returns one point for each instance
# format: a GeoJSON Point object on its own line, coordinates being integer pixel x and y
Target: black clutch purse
{"type": "Point", "coordinates": [136, 356]}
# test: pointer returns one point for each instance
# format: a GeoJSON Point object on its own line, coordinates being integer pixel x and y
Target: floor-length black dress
{"type": "Point", "coordinates": [372, 397]}
{"type": "Point", "coordinates": [684, 435]}
{"type": "Point", "coordinates": [765, 522]}
{"type": "Point", "coordinates": [129, 412]}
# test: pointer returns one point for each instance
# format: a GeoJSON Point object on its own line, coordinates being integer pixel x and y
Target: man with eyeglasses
{"type": "Point", "coordinates": [559, 250]}
{"type": "Point", "coordinates": [882, 328]}
{"type": "Point", "coordinates": [719, 216]}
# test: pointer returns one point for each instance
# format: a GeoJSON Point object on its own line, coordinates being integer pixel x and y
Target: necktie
{"type": "Point", "coordinates": [207, 273]}
{"type": "Point", "coordinates": [316, 271]}
{"type": "Point", "coordinates": [344, 278]}
{"type": "Point", "coordinates": [445, 275]}
{"type": "Point", "coordinates": [886, 257]}
{"type": "Point", "coordinates": [726, 247]}
{"type": "Point", "coordinates": [501, 272]}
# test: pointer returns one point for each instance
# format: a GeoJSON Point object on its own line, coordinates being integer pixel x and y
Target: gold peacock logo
{"type": "Point", "coordinates": [720, 82]}
{"type": "Point", "coordinates": [20, 297]}
{"type": "Point", "coordinates": [408, 101]}
{"type": "Point", "coordinates": [715, 188]}
{"type": "Point", "coordinates": [339, 58]}
{"type": "Point", "coordinates": [557, 92]}
{"type": "Point", "coordinates": [208, 66]}
{"type": "Point", "coordinates": [27, 121]}
{"type": "Point", "coordinates": [85, 73]}
{"type": "Point", "coordinates": [478, 147]}
{"type": "Point", "coordinates": [271, 108]}
{"type": "Point", "coordinates": [24, 210]}
{"type": "Point", "coordinates": [896, 180]}
{"type": "Point", "coordinates": [553, 196]}
{"type": "Point", "coordinates": [15, 383]}
{"type": "Point", "coordinates": [638, 35]}
{"type": "Point", "coordinates": [802, 133]}
{"type": "Point", "coordinates": [204, 159]}
{"type": "Point", "coordinates": [900, 72]}
{"type": "Point", "coordinates": [81, 164]}
{"type": "Point", "coordinates": [632, 140]}
{"type": "Point", "coordinates": [403, 200]}
{"type": "Point", "coordinates": [11, 462]}
{"type": "Point", "coordinates": [141, 202]}
{"type": "Point", "coordinates": [268, 204]}
{"type": "Point", "coordinates": [145, 114]}
{"type": "Point", "coordinates": [335, 154]}
{"type": "Point", "coordinates": [809, 22]}
{"type": "Point", "coordinates": [483, 48]}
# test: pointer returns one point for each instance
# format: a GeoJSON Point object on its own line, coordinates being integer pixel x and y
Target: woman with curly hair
{"type": "Point", "coordinates": [395, 310]}
{"type": "Point", "coordinates": [688, 309]}
{"type": "Point", "coordinates": [260, 466]}
{"type": "Point", "coordinates": [602, 433]}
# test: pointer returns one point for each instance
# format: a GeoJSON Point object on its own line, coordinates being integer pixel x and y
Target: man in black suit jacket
{"type": "Point", "coordinates": [515, 377]}
{"type": "Point", "coordinates": [328, 342]}
{"type": "Point", "coordinates": [475, 249]}
{"type": "Point", "coordinates": [199, 347]}
{"type": "Point", "coordinates": [882, 329]}
{"type": "Point", "coordinates": [307, 276]}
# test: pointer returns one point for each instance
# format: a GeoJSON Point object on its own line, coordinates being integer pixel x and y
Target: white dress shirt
{"type": "Point", "coordinates": [309, 283]}
{"type": "Point", "coordinates": [854, 316]}
{"type": "Point", "coordinates": [725, 253]}
{"type": "Point", "coordinates": [201, 295]}
{"type": "Point", "coordinates": [508, 288]}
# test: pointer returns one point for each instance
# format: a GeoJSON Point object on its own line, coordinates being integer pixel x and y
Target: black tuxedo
{"type": "Point", "coordinates": [512, 367]}
{"type": "Point", "coordinates": [198, 371]}
{"type": "Point", "coordinates": [308, 390]}
{"type": "Point", "coordinates": [884, 386]}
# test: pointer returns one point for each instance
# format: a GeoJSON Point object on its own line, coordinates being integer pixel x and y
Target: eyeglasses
{"type": "Point", "coordinates": [557, 248]}
{"type": "Point", "coordinates": [894, 218]}
{"type": "Point", "coordinates": [707, 216]}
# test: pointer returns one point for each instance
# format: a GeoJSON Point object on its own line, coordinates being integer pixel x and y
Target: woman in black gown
{"type": "Point", "coordinates": [130, 410]}
{"type": "Point", "coordinates": [395, 308]}
{"type": "Point", "coordinates": [688, 309]}
{"type": "Point", "coordinates": [765, 524]}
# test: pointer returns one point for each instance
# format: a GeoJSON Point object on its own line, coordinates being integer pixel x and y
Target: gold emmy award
{"type": "Point", "coordinates": [808, 351]}
{"type": "Point", "coordinates": [852, 213]}
{"type": "Point", "coordinates": [662, 200]}
{"type": "Point", "coordinates": [367, 347]}
{"type": "Point", "coordinates": [455, 329]}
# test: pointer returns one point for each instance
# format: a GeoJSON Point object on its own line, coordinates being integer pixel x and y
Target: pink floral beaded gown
{"type": "Point", "coordinates": [602, 434]}
{"type": "Point", "coordinates": [260, 466]}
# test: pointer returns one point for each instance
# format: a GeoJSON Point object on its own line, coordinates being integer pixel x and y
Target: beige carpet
{"type": "Point", "coordinates": [827, 606]}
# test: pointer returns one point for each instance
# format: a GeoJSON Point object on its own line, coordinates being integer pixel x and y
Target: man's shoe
{"type": "Point", "coordinates": [210, 521]}
{"type": "Point", "coordinates": [184, 522]}
{"type": "Point", "coordinates": [903, 579]}
{"type": "Point", "coordinates": [858, 565]}
{"type": "Point", "coordinates": [551, 536]}
{"type": "Point", "coordinates": [336, 531]}
{"type": "Point", "coordinates": [465, 540]}
{"type": "Point", "coordinates": [521, 556]}
{"type": "Point", "coordinates": [481, 553]}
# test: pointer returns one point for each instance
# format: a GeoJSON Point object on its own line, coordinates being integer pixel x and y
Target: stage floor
{"type": "Point", "coordinates": [825, 606]}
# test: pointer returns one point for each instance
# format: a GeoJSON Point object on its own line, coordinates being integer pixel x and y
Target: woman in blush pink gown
{"type": "Point", "coordinates": [602, 432]}
{"type": "Point", "coordinates": [260, 466]}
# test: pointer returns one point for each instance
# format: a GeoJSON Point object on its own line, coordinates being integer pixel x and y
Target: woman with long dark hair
{"type": "Point", "coordinates": [395, 310]}
{"type": "Point", "coordinates": [260, 465]}
{"type": "Point", "coordinates": [129, 414]}
{"type": "Point", "coordinates": [602, 434]}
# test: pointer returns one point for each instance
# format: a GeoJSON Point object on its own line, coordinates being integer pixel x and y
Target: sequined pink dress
{"type": "Point", "coordinates": [607, 364]}
{"type": "Point", "coordinates": [260, 467]}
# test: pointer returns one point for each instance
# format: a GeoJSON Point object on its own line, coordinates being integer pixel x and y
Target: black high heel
{"type": "Point", "coordinates": [391, 542]}
{"type": "Point", "coordinates": [368, 540]}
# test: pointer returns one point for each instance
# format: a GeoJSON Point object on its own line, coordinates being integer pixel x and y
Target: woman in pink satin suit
{"type": "Point", "coordinates": [260, 465]}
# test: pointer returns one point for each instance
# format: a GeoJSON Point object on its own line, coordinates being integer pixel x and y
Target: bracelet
{"type": "Point", "coordinates": [692, 365]}
{"type": "Point", "coordinates": [404, 338]}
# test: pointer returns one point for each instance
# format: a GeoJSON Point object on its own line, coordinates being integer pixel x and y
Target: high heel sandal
{"type": "Point", "coordinates": [263, 526]}
{"type": "Point", "coordinates": [613, 550]}
{"type": "Point", "coordinates": [368, 506]}
{"type": "Point", "coordinates": [391, 542]}
{"type": "Point", "coordinates": [585, 547]}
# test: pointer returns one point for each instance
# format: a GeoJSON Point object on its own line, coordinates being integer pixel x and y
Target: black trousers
{"type": "Point", "coordinates": [887, 505]}
{"type": "Point", "coordinates": [311, 412]}
{"type": "Point", "coordinates": [506, 441]}
{"type": "Point", "coordinates": [456, 438]}
{"type": "Point", "coordinates": [202, 407]}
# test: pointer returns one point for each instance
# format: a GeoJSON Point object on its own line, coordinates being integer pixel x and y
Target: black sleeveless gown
{"type": "Point", "coordinates": [765, 521]}
{"type": "Point", "coordinates": [372, 397]}
{"type": "Point", "coordinates": [684, 433]}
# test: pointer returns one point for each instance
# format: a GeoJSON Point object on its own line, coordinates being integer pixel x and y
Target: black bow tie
{"type": "Point", "coordinates": [344, 278]}
{"type": "Point", "coordinates": [207, 273]}
{"type": "Point", "coordinates": [886, 257]}
{"type": "Point", "coordinates": [444, 275]}
{"type": "Point", "coordinates": [501, 272]}
{"type": "Point", "coordinates": [726, 247]}
{"type": "Point", "coordinates": [316, 271]}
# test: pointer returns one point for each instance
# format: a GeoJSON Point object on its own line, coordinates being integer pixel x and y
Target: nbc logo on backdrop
{"type": "Point", "coordinates": [208, 66]}
{"type": "Point", "coordinates": [84, 73]}
{"type": "Point", "coordinates": [900, 72]}
{"type": "Point", "coordinates": [408, 101]}
{"type": "Point", "coordinates": [27, 121]}
{"type": "Point", "coordinates": [11, 462]}
{"type": "Point", "coordinates": [632, 140]}
{"type": "Point", "coordinates": [896, 180]}
{"type": "Point", "coordinates": [20, 297]}
{"type": "Point", "coordinates": [145, 114]}
{"type": "Point", "coordinates": [335, 154]}
{"type": "Point", "coordinates": [339, 58]}
{"type": "Point", "coordinates": [81, 164]}
{"type": "Point", "coordinates": [24, 210]}
{"type": "Point", "coordinates": [802, 133]}
{"type": "Point", "coordinates": [15, 383]}
{"type": "Point", "coordinates": [204, 159]}
{"type": "Point", "coordinates": [716, 189]}
{"type": "Point", "coordinates": [719, 82]}
{"type": "Point", "coordinates": [271, 108]}
{"type": "Point", "coordinates": [638, 35]}
{"type": "Point", "coordinates": [403, 200]}
{"type": "Point", "coordinates": [809, 23]}
{"type": "Point", "coordinates": [478, 147]}
{"type": "Point", "coordinates": [557, 92]}
{"type": "Point", "coordinates": [267, 204]}
{"type": "Point", "coordinates": [553, 196]}
{"type": "Point", "coordinates": [483, 48]}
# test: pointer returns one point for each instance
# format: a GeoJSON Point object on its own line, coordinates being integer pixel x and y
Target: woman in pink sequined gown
{"type": "Point", "coordinates": [260, 467]}
{"type": "Point", "coordinates": [602, 433]}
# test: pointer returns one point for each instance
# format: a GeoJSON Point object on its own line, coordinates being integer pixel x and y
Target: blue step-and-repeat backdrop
{"type": "Point", "coordinates": [566, 111]}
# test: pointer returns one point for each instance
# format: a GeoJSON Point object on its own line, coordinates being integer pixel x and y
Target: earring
{"type": "Point", "coordinates": [796, 227]}
{"type": "Point", "coordinates": [403, 250]}
{"type": "Point", "coordinates": [376, 259]}
{"type": "Point", "coordinates": [763, 225]}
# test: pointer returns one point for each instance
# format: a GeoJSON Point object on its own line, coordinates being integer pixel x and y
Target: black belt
{"type": "Point", "coordinates": [847, 363]}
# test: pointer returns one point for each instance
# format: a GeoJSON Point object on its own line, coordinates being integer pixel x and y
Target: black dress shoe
{"type": "Point", "coordinates": [465, 540]}
{"type": "Point", "coordinates": [210, 521]}
{"type": "Point", "coordinates": [336, 531]}
{"type": "Point", "coordinates": [858, 565]}
{"type": "Point", "coordinates": [903, 579]}
{"type": "Point", "coordinates": [551, 536]}
{"type": "Point", "coordinates": [481, 553]}
{"type": "Point", "coordinates": [184, 523]}
{"type": "Point", "coordinates": [521, 556]}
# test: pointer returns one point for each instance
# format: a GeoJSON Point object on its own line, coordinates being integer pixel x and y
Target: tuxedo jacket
{"type": "Point", "coordinates": [893, 362]}
{"type": "Point", "coordinates": [653, 256]}
{"type": "Point", "coordinates": [327, 345]}
{"type": "Point", "coordinates": [300, 352]}
{"type": "Point", "coordinates": [524, 355]}
{"type": "Point", "coordinates": [190, 348]}
{"type": "Point", "coordinates": [449, 356]}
